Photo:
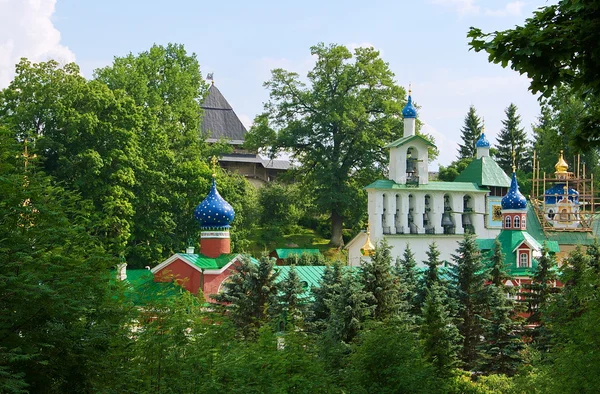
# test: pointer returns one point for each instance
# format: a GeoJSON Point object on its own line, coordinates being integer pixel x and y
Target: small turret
{"type": "Point", "coordinates": [514, 207]}
{"type": "Point", "coordinates": [483, 146]}
{"type": "Point", "coordinates": [409, 113]}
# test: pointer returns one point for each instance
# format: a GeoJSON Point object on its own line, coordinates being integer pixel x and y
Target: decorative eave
{"type": "Point", "coordinates": [179, 256]}
{"type": "Point", "coordinates": [436, 186]}
{"type": "Point", "coordinates": [406, 140]}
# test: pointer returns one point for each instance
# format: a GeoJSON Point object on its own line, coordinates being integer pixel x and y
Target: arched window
{"type": "Point", "coordinates": [523, 260]}
{"type": "Point", "coordinates": [517, 222]}
{"type": "Point", "coordinates": [507, 222]}
{"type": "Point", "coordinates": [523, 222]}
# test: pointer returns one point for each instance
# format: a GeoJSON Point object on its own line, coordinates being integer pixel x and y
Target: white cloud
{"type": "Point", "coordinates": [463, 7]}
{"type": "Point", "coordinates": [470, 7]}
{"type": "Point", "coordinates": [513, 9]}
{"type": "Point", "coordinates": [26, 30]}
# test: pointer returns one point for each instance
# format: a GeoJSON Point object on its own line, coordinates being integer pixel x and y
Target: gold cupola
{"type": "Point", "coordinates": [368, 249]}
{"type": "Point", "coordinates": [561, 167]}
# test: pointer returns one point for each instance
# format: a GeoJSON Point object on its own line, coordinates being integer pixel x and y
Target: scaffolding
{"type": "Point", "coordinates": [589, 204]}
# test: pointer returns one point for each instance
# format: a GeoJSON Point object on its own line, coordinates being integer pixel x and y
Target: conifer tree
{"type": "Point", "coordinates": [378, 279]}
{"type": "Point", "coordinates": [536, 296]}
{"type": "Point", "coordinates": [469, 276]}
{"type": "Point", "coordinates": [470, 133]}
{"type": "Point", "coordinates": [513, 138]}
{"type": "Point", "coordinates": [319, 316]}
{"type": "Point", "coordinates": [431, 276]}
{"type": "Point", "coordinates": [252, 293]}
{"type": "Point", "coordinates": [349, 306]}
{"type": "Point", "coordinates": [503, 344]}
{"type": "Point", "coordinates": [408, 276]}
{"type": "Point", "coordinates": [293, 307]}
{"type": "Point", "coordinates": [438, 333]}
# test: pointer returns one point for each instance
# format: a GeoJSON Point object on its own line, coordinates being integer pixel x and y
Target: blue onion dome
{"type": "Point", "coordinates": [214, 213]}
{"type": "Point", "coordinates": [482, 142]}
{"type": "Point", "coordinates": [557, 193]}
{"type": "Point", "coordinates": [514, 199]}
{"type": "Point", "coordinates": [409, 110]}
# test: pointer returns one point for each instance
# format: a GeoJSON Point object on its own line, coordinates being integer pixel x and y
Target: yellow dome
{"type": "Point", "coordinates": [368, 249]}
{"type": "Point", "coordinates": [561, 166]}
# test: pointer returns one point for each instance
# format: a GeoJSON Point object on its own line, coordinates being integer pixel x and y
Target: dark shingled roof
{"type": "Point", "coordinates": [219, 120]}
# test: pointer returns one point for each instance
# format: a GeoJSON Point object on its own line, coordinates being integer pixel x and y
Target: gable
{"type": "Point", "coordinates": [410, 139]}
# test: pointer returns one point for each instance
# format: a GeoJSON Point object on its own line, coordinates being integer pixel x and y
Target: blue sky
{"type": "Point", "coordinates": [424, 43]}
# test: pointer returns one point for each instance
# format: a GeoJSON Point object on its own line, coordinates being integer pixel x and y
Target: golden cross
{"type": "Point", "coordinates": [214, 161]}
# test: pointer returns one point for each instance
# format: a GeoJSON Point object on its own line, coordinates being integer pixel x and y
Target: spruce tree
{"type": "Point", "coordinates": [431, 276]}
{"type": "Point", "coordinates": [252, 293]}
{"type": "Point", "coordinates": [470, 133]}
{"type": "Point", "coordinates": [319, 308]}
{"type": "Point", "coordinates": [378, 279]}
{"type": "Point", "coordinates": [513, 138]}
{"type": "Point", "coordinates": [293, 306]}
{"type": "Point", "coordinates": [469, 276]}
{"type": "Point", "coordinates": [349, 306]}
{"type": "Point", "coordinates": [503, 344]}
{"type": "Point", "coordinates": [408, 276]}
{"type": "Point", "coordinates": [536, 296]}
{"type": "Point", "coordinates": [438, 333]}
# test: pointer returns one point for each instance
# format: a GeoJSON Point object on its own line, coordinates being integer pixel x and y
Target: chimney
{"type": "Point", "coordinates": [121, 271]}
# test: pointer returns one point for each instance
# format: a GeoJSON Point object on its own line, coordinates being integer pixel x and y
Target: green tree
{"type": "Point", "coordinates": [404, 369]}
{"type": "Point", "coordinates": [408, 276]}
{"type": "Point", "coordinates": [252, 292]}
{"type": "Point", "coordinates": [293, 305]}
{"type": "Point", "coordinates": [531, 49]}
{"type": "Point", "coordinates": [537, 295]}
{"type": "Point", "coordinates": [469, 275]}
{"type": "Point", "coordinates": [512, 138]}
{"type": "Point", "coordinates": [470, 133]}
{"type": "Point", "coordinates": [431, 276]}
{"type": "Point", "coordinates": [438, 333]}
{"type": "Point", "coordinates": [320, 312]}
{"type": "Point", "coordinates": [335, 127]}
{"type": "Point", "coordinates": [377, 278]}
{"type": "Point", "coordinates": [85, 136]}
{"type": "Point", "coordinates": [450, 173]}
{"type": "Point", "coordinates": [349, 305]}
{"type": "Point", "coordinates": [58, 314]}
{"type": "Point", "coordinates": [503, 344]}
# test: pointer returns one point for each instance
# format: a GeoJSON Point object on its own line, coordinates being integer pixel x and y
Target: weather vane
{"type": "Point", "coordinates": [210, 77]}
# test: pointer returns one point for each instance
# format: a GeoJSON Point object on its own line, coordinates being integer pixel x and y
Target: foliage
{"type": "Point", "coordinates": [408, 277]}
{"type": "Point", "coordinates": [85, 137]}
{"type": "Point", "coordinates": [560, 118]}
{"type": "Point", "coordinates": [293, 306]}
{"type": "Point", "coordinates": [335, 127]}
{"type": "Point", "coordinates": [431, 276]}
{"type": "Point", "coordinates": [450, 173]}
{"type": "Point", "coordinates": [320, 312]}
{"type": "Point", "coordinates": [438, 333]}
{"type": "Point", "coordinates": [532, 49]}
{"type": "Point", "coordinates": [58, 315]}
{"type": "Point", "coordinates": [470, 133]}
{"type": "Point", "coordinates": [349, 306]}
{"type": "Point", "coordinates": [281, 206]}
{"type": "Point", "coordinates": [404, 369]}
{"type": "Point", "coordinates": [252, 292]}
{"type": "Point", "coordinates": [306, 259]}
{"type": "Point", "coordinates": [513, 138]}
{"type": "Point", "coordinates": [468, 278]}
{"type": "Point", "coordinates": [377, 278]}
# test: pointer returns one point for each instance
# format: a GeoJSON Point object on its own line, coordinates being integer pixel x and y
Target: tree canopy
{"type": "Point", "coordinates": [557, 46]}
{"type": "Point", "coordinates": [335, 125]}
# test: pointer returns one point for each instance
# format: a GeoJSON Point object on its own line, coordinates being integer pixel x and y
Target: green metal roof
{"type": "Point", "coordinates": [203, 262]}
{"type": "Point", "coordinates": [285, 253]}
{"type": "Point", "coordinates": [561, 237]}
{"type": "Point", "coordinates": [436, 186]}
{"type": "Point", "coordinates": [510, 240]}
{"type": "Point", "coordinates": [143, 288]}
{"type": "Point", "coordinates": [311, 274]}
{"type": "Point", "coordinates": [406, 140]}
{"type": "Point", "coordinates": [484, 172]}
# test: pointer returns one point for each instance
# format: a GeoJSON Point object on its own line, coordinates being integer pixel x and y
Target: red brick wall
{"type": "Point", "coordinates": [187, 276]}
{"type": "Point", "coordinates": [214, 247]}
